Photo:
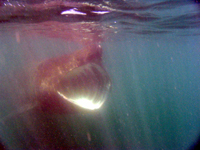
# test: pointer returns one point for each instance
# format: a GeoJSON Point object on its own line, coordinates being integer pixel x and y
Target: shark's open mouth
{"type": "Point", "coordinates": [86, 86]}
{"type": "Point", "coordinates": [78, 78]}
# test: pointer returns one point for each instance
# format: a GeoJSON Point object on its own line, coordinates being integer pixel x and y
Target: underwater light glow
{"type": "Point", "coordinates": [83, 102]}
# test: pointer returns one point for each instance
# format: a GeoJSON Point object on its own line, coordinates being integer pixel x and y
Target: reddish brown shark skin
{"type": "Point", "coordinates": [49, 71]}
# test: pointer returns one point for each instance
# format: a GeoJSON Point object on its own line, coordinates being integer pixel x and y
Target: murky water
{"type": "Point", "coordinates": [150, 52]}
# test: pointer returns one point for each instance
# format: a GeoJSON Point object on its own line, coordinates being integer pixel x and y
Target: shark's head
{"type": "Point", "coordinates": [78, 78]}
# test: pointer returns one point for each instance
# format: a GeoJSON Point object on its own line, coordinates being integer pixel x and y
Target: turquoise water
{"type": "Point", "coordinates": [155, 90]}
{"type": "Point", "coordinates": [150, 51]}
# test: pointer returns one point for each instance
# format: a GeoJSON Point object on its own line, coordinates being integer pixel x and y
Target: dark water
{"type": "Point", "coordinates": [150, 50]}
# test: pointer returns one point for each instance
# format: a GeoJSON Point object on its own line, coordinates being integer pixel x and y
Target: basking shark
{"type": "Point", "coordinates": [67, 85]}
{"type": "Point", "coordinates": [61, 84]}
{"type": "Point", "coordinates": [78, 78]}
